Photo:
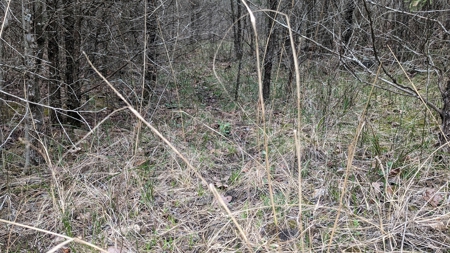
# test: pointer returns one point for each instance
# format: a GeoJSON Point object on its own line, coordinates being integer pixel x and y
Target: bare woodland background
{"type": "Point", "coordinates": [373, 75]}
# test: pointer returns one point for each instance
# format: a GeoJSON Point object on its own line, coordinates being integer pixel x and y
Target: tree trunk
{"type": "Point", "coordinates": [34, 41]}
{"type": "Point", "coordinates": [444, 136]}
{"type": "Point", "coordinates": [268, 59]}
{"type": "Point", "coordinates": [150, 73]}
{"type": "Point", "coordinates": [72, 45]}
{"type": "Point", "coordinates": [3, 109]}
{"type": "Point", "coordinates": [53, 57]}
{"type": "Point", "coordinates": [348, 25]}
{"type": "Point", "coordinates": [289, 50]}
{"type": "Point", "coordinates": [237, 34]}
{"type": "Point", "coordinates": [195, 20]}
{"type": "Point", "coordinates": [38, 26]}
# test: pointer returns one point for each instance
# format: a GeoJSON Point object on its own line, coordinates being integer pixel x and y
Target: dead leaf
{"type": "Point", "coordinates": [74, 150]}
{"type": "Point", "coordinates": [65, 250]}
{"type": "Point", "coordinates": [221, 185]}
{"type": "Point", "coordinates": [112, 249]}
{"type": "Point", "coordinates": [394, 172]}
{"type": "Point", "coordinates": [139, 162]}
{"type": "Point", "coordinates": [389, 190]}
{"type": "Point", "coordinates": [131, 229]}
{"type": "Point", "coordinates": [226, 199]}
{"type": "Point", "coordinates": [278, 179]}
{"type": "Point", "coordinates": [432, 197]}
{"type": "Point", "coordinates": [340, 170]}
{"type": "Point", "coordinates": [318, 193]}
{"type": "Point", "coordinates": [377, 187]}
{"type": "Point", "coordinates": [438, 225]}
{"type": "Point", "coordinates": [373, 164]}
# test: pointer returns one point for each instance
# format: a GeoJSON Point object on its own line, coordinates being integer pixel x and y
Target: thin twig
{"type": "Point", "coordinates": [55, 234]}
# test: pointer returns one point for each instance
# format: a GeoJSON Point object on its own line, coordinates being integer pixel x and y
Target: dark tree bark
{"type": "Point", "coordinates": [307, 26]}
{"type": "Point", "coordinates": [444, 136]}
{"type": "Point", "coordinates": [151, 71]}
{"type": "Point", "coordinates": [72, 40]}
{"type": "Point", "coordinates": [195, 20]}
{"type": "Point", "coordinates": [287, 45]}
{"type": "Point", "coordinates": [34, 90]}
{"type": "Point", "coordinates": [38, 27]}
{"type": "Point", "coordinates": [53, 57]}
{"type": "Point", "coordinates": [400, 31]}
{"type": "Point", "coordinates": [269, 57]}
{"type": "Point", "coordinates": [237, 32]}
{"type": "Point", "coordinates": [34, 40]}
{"type": "Point", "coordinates": [348, 24]}
{"type": "Point", "coordinates": [3, 109]}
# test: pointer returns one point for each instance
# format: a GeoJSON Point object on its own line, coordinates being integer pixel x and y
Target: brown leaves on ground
{"type": "Point", "coordinates": [226, 200]}
{"type": "Point", "coordinates": [433, 197]}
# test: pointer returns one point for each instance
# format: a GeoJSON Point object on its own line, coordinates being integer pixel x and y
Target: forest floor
{"type": "Point", "coordinates": [125, 190]}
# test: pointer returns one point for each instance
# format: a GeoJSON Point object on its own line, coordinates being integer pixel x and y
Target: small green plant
{"type": "Point", "coordinates": [234, 177]}
{"type": "Point", "coordinates": [152, 243]}
{"type": "Point", "coordinates": [266, 200]}
{"type": "Point", "coordinates": [98, 223]}
{"type": "Point", "coordinates": [200, 191]}
{"type": "Point", "coordinates": [168, 244]}
{"type": "Point", "coordinates": [231, 149]}
{"type": "Point", "coordinates": [356, 225]}
{"type": "Point", "coordinates": [225, 128]}
{"type": "Point", "coordinates": [192, 241]}
{"type": "Point", "coordinates": [376, 145]}
{"type": "Point", "coordinates": [334, 193]}
{"type": "Point", "coordinates": [305, 170]}
{"type": "Point", "coordinates": [147, 192]}
{"type": "Point", "coordinates": [244, 215]}
{"type": "Point", "coordinates": [67, 225]}
{"type": "Point", "coordinates": [354, 196]}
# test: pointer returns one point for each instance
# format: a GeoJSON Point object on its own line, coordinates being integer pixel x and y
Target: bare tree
{"type": "Point", "coordinates": [271, 44]}
{"type": "Point", "coordinates": [33, 44]}
{"type": "Point", "coordinates": [54, 83]}
{"type": "Point", "coordinates": [347, 29]}
{"type": "Point", "coordinates": [152, 37]}
{"type": "Point", "coordinates": [72, 42]}
{"type": "Point", "coordinates": [4, 27]}
{"type": "Point", "coordinates": [420, 49]}
{"type": "Point", "coordinates": [238, 32]}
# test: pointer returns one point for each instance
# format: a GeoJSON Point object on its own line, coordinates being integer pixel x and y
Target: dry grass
{"type": "Point", "coordinates": [151, 202]}
{"type": "Point", "coordinates": [395, 197]}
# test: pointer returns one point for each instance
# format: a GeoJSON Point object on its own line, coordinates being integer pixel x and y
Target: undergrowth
{"type": "Point", "coordinates": [146, 199]}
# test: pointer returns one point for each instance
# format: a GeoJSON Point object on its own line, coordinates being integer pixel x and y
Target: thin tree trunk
{"type": "Point", "coordinates": [445, 117]}
{"type": "Point", "coordinates": [72, 44]}
{"type": "Point", "coordinates": [347, 24]}
{"type": "Point", "coordinates": [3, 110]}
{"type": "Point", "coordinates": [53, 57]}
{"type": "Point", "coordinates": [195, 20]}
{"type": "Point", "coordinates": [38, 25]}
{"type": "Point", "coordinates": [27, 81]}
{"type": "Point", "coordinates": [237, 32]}
{"type": "Point", "coordinates": [268, 59]}
{"type": "Point", "coordinates": [150, 74]}
{"type": "Point", "coordinates": [289, 49]}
